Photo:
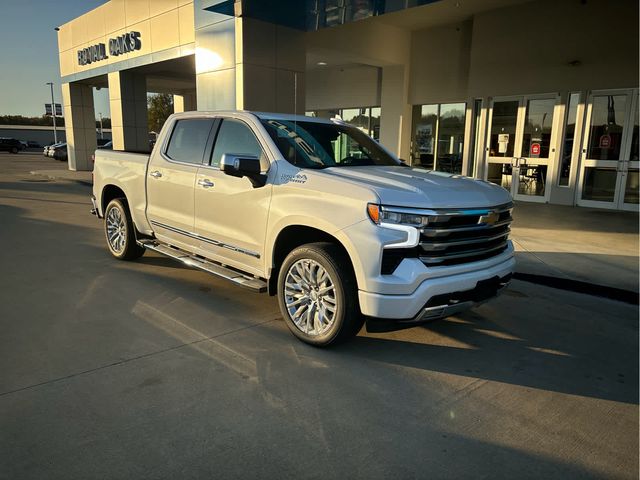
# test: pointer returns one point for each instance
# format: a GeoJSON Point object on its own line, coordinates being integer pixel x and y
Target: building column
{"type": "Point", "coordinates": [128, 104]}
{"type": "Point", "coordinates": [396, 119]}
{"type": "Point", "coordinates": [270, 67]}
{"type": "Point", "coordinates": [186, 102]}
{"type": "Point", "coordinates": [248, 64]}
{"type": "Point", "coordinates": [80, 125]}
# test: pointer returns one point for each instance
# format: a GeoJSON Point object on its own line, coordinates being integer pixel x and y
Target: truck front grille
{"type": "Point", "coordinates": [466, 235]}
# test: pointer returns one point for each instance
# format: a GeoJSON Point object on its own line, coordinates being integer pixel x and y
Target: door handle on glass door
{"type": "Point", "coordinates": [155, 174]}
{"type": "Point", "coordinates": [206, 183]}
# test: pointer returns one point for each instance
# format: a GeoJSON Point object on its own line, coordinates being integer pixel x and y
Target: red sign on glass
{"type": "Point", "coordinates": [605, 141]}
{"type": "Point", "coordinates": [535, 149]}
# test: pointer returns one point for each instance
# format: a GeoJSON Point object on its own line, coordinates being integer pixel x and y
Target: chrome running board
{"type": "Point", "coordinates": [242, 279]}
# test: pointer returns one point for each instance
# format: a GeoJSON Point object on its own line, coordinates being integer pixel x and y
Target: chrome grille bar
{"type": "Point", "coordinates": [454, 237]}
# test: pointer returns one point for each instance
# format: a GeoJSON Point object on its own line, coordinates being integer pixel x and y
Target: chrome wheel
{"type": "Point", "coordinates": [116, 230]}
{"type": "Point", "coordinates": [310, 297]}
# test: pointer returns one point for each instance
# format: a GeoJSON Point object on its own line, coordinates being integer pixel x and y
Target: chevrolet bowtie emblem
{"type": "Point", "coordinates": [490, 218]}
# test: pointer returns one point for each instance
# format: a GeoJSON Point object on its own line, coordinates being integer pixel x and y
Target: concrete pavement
{"type": "Point", "coordinates": [150, 370]}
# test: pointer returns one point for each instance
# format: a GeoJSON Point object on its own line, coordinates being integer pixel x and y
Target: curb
{"type": "Point", "coordinates": [593, 289]}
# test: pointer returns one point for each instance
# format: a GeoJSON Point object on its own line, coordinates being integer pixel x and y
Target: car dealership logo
{"type": "Point", "coordinates": [117, 46]}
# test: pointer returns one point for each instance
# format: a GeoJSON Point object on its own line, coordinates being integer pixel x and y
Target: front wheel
{"type": "Point", "coordinates": [317, 294]}
{"type": "Point", "coordinates": [120, 231]}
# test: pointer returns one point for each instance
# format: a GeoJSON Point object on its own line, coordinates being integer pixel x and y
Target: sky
{"type": "Point", "coordinates": [29, 54]}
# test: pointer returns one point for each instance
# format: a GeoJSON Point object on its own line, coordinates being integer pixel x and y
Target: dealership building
{"type": "Point", "coordinates": [539, 96]}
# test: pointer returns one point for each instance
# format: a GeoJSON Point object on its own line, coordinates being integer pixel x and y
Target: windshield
{"type": "Point", "coordinates": [321, 145]}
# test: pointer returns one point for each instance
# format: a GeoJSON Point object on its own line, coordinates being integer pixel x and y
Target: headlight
{"type": "Point", "coordinates": [381, 215]}
{"type": "Point", "coordinates": [398, 219]}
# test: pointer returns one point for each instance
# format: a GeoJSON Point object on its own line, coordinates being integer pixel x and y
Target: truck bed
{"type": "Point", "coordinates": [127, 171]}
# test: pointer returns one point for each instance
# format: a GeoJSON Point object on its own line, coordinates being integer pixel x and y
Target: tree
{"type": "Point", "coordinates": [160, 106]}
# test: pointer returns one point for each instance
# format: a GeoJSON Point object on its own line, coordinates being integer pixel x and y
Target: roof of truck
{"type": "Point", "coordinates": [264, 116]}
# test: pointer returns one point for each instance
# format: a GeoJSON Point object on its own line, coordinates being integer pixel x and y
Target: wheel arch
{"type": "Point", "coordinates": [293, 236]}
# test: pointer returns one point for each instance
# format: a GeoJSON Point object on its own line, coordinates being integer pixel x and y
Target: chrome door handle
{"type": "Point", "coordinates": [155, 174]}
{"type": "Point", "coordinates": [206, 183]}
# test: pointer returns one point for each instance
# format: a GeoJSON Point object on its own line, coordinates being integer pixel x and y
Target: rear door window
{"type": "Point", "coordinates": [189, 140]}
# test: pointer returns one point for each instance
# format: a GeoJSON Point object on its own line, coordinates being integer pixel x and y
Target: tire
{"type": "Point", "coordinates": [306, 295]}
{"type": "Point", "coordinates": [119, 227]}
{"type": "Point", "coordinates": [14, 150]}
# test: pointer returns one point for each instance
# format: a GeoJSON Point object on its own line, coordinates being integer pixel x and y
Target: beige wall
{"type": "Point", "coordinates": [349, 86]}
{"type": "Point", "coordinates": [440, 63]}
{"type": "Point", "coordinates": [527, 49]}
{"type": "Point", "coordinates": [162, 24]}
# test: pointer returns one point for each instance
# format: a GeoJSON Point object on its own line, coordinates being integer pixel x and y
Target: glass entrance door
{"type": "Point", "coordinates": [609, 167]}
{"type": "Point", "coordinates": [522, 145]}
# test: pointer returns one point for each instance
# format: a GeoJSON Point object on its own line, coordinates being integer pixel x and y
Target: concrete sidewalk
{"type": "Point", "coordinates": [589, 245]}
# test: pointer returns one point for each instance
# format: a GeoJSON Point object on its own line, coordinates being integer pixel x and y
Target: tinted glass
{"type": "Point", "coordinates": [503, 128]}
{"type": "Point", "coordinates": [607, 126]}
{"type": "Point", "coordinates": [320, 145]}
{"type": "Point", "coordinates": [189, 139]}
{"type": "Point", "coordinates": [425, 122]}
{"type": "Point", "coordinates": [235, 137]}
{"type": "Point", "coordinates": [536, 138]}
{"type": "Point", "coordinates": [451, 137]}
{"type": "Point", "coordinates": [569, 138]}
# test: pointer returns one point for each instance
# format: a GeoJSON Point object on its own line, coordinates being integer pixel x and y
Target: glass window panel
{"type": "Point", "coordinates": [569, 138]}
{"type": "Point", "coordinates": [450, 137]}
{"type": "Point", "coordinates": [358, 117]}
{"type": "Point", "coordinates": [633, 156]}
{"type": "Point", "coordinates": [532, 180]}
{"type": "Point", "coordinates": [236, 137]}
{"type": "Point", "coordinates": [189, 139]}
{"type": "Point", "coordinates": [503, 122]}
{"type": "Point", "coordinates": [376, 114]}
{"type": "Point", "coordinates": [599, 184]}
{"type": "Point", "coordinates": [536, 139]}
{"type": "Point", "coordinates": [425, 123]}
{"type": "Point", "coordinates": [607, 124]}
{"type": "Point", "coordinates": [500, 174]}
{"type": "Point", "coordinates": [631, 188]}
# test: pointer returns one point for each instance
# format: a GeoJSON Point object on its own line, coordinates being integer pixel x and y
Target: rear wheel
{"type": "Point", "coordinates": [317, 295]}
{"type": "Point", "coordinates": [14, 150]}
{"type": "Point", "coordinates": [120, 231]}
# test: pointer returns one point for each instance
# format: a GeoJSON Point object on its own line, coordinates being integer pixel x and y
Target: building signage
{"type": "Point", "coordinates": [535, 149]}
{"type": "Point", "coordinates": [117, 46]}
{"type": "Point", "coordinates": [605, 141]}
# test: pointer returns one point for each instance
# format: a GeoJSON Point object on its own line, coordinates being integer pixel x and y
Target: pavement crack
{"type": "Point", "coordinates": [138, 357]}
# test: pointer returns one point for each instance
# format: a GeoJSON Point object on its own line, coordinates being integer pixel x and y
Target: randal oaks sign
{"type": "Point", "coordinates": [117, 46]}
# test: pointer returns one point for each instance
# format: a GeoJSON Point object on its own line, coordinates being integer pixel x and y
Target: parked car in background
{"type": "Point", "coordinates": [33, 144]}
{"type": "Point", "coordinates": [59, 151]}
{"type": "Point", "coordinates": [10, 145]}
{"type": "Point", "coordinates": [24, 144]}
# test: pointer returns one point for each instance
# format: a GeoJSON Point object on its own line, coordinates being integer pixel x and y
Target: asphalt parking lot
{"type": "Point", "coordinates": [152, 370]}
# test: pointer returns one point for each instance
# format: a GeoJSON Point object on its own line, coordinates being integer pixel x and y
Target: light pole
{"type": "Point", "coordinates": [101, 133]}
{"type": "Point", "coordinates": [53, 114]}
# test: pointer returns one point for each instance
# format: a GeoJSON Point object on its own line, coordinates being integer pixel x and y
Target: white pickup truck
{"type": "Point", "coordinates": [313, 211]}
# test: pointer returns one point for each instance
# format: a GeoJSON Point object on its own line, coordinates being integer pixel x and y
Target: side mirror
{"type": "Point", "coordinates": [239, 165]}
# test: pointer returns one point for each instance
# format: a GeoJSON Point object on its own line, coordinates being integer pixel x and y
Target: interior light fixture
{"type": "Point", "coordinates": [322, 64]}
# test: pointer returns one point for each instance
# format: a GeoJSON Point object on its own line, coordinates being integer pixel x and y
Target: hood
{"type": "Point", "coordinates": [414, 187]}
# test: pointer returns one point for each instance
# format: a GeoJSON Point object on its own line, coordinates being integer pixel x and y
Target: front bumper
{"type": "Point", "coordinates": [417, 306]}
